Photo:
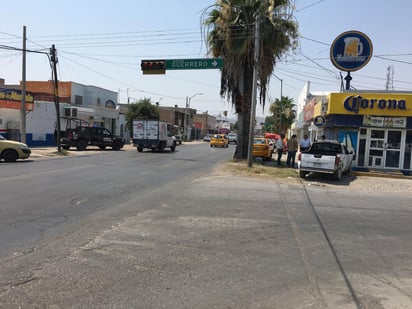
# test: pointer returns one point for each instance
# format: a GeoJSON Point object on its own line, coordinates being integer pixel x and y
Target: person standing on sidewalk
{"type": "Point", "coordinates": [305, 143]}
{"type": "Point", "coordinates": [292, 149]}
{"type": "Point", "coordinates": [279, 147]}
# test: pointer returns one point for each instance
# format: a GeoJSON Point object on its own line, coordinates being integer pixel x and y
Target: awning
{"type": "Point", "coordinates": [272, 135]}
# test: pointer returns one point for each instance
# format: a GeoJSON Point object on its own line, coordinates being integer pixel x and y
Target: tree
{"type": "Point", "coordinates": [230, 26]}
{"type": "Point", "coordinates": [283, 113]}
{"type": "Point", "coordinates": [270, 124]}
{"type": "Point", "coordinates": [143, 109]}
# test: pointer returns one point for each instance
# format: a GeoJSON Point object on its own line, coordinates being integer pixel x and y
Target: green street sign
{"type": "Point", "coordinates": [194, 64]}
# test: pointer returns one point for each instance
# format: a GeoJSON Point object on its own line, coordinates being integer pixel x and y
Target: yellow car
{"type": "Point", "coordinates": [262, 148]}
{"type": "Point", "coordinates": [219, 140]}
{"type": "Point", "coordinates": [10, 151]}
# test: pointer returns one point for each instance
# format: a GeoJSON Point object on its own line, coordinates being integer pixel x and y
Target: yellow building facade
{"type": "Point", "coordinates": [377, 126]}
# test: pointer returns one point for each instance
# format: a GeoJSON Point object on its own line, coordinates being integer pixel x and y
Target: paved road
{"type": "Point", "coordinates": [167, 230]}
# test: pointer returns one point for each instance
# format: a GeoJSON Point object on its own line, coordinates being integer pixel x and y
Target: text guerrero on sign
{"type": "Point", "coordinates": [160, 66]}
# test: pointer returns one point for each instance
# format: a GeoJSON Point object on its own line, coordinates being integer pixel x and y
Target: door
{"type": "Point", "coordinates": [376, 148]}
{"type": "Point", "coordinates": [385, 148]}
{"type": "Point", "coordinates": [392, 147]}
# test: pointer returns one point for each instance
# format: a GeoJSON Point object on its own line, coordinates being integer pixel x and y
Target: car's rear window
{"type": "Point", "coordinates": [326, 148]}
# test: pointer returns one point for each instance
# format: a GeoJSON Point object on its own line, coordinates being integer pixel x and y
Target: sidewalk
{"type": "Point", "coordinates": [381, 173]}
{"type": "Point", "coordinates": [48, 152]}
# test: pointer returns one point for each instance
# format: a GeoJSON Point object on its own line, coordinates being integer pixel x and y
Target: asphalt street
{"type": "Point", "coordinates": [209, 238]}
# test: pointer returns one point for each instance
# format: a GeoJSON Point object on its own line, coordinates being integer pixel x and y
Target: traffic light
{"type": "Point", "coordinates": [153, 66]}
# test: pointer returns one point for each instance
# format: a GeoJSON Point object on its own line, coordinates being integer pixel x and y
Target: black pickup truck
{"type": "Point", "coordinates": [83, 136]}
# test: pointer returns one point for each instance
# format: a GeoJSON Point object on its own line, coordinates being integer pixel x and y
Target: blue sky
{"type": "Point", "coordinates": [101, 43]}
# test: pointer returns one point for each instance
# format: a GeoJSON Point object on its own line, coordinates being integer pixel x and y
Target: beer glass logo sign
{"type": "Point", "coordinates": [353, 47]}
{"type": "Point", "coordinates": [351, 51]}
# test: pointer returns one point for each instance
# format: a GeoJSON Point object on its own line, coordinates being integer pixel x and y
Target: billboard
{"type": "Point", "coordinates": [11, 98]}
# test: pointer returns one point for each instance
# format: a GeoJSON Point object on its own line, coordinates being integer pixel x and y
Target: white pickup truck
{"type": "Point", "coordinates": [328, 157]}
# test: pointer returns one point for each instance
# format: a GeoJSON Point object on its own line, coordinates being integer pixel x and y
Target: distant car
{"type": "Point", "coordinates": [207, 138]}
{"type": "Point", "coordinates": [262, 148]}
{"type": "Point", "coordinates": [219, 140]}
{"type": "Point", "coordinates": [178, 139]}
{"type": "Point", "coordinates": [232, 137]}
{"type": "Point", "coordinates": [10, 151]}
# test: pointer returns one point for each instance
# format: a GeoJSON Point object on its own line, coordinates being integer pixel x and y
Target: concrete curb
{"type": "Point", "coordinates": [382, 174]}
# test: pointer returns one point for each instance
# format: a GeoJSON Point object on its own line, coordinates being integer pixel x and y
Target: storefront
{"type": "Point", "coordinates": [376, 126]}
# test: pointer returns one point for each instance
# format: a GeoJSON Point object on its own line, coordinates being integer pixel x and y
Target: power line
{"type": "Point", "coordinates": [309, 6]}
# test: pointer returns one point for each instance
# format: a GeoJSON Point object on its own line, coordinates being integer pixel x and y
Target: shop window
{"type": "Point", "coordinates": [407, 158]}
{"type": "Point", "coordinates": [376, 144]}
{"type": "Point", "coordinates": [394, 139]}
{"type": "Point", "coordinates": [361, 152]}
{"type": "Point", "coordinates": [377, 133]}
{"type": "Point", "coordinates": [376, 153]}
{"type": "Point", "coordinates": [392, 159]}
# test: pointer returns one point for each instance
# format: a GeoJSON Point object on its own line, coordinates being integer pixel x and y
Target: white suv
{"type": "Point", "coordinates": [232, 137]}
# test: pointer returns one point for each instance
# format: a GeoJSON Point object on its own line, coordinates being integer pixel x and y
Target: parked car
{"type": "Point", "coordinates": [83, 136]}
{"type": "Point", "coordinates": [330, 157]}
{"type": "Point", "coordinates": [262, 148]}
{"type": "Point", "coordinates": [207, 138]}
{"type": "Point", "coordinates": [10, 151]}
{"type": "Point", "coordinates": [232, 137]}
{"type": "Point", "coordinates": [219, 140]}
{"type": "Point", "coordinates": [178, 139]}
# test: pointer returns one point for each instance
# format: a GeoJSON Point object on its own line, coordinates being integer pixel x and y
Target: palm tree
{"type": "Point", "coordinates": [283, 112]}
{"type": "Point", "coordinates": [230, 27]}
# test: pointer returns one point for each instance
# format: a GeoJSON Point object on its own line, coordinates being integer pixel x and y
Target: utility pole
{"type": "Point", "coordinates": [281, 103]}
{"type": "Point", "coordinates": [254, 92]}
{"type": "Point", "coordinates": [205, 132]}
{"type": "Point", "coordinates": [23, 92]}
{"type": "Point", "coordinates": [53, 59]}
{"type": "Point", "coordinates": [186, 120]}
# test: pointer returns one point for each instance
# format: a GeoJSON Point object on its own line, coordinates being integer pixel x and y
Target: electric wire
{"type": "Point", "coordinates": [163, 37]}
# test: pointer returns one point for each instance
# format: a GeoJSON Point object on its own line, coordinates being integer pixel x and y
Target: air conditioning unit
{"type": "Point", "coordinates": [70, 112]}
{"type": "Point", "coordinates": [13, 125]}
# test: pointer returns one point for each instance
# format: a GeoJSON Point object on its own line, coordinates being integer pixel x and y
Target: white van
{"type": "Point", "coordinates": [232, 137]}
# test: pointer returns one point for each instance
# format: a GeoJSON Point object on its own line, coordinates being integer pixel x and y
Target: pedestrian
{"type": "Point", "coordinates": [279, 147]}
{"type": "Point", "coordinates": [292, 149]}
{"type": "Point", "coordinates": [304, 143]}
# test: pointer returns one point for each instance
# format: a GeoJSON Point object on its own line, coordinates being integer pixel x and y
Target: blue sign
{"type": "Point", "coordinates": [351, 51]}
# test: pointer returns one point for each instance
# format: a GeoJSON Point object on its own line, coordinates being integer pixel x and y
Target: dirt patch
{"type": "Point", "coordinates": [261, 170]}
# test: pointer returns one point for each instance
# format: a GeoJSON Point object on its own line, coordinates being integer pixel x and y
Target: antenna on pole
{"type": "Point", "coordinates": [389, 78]}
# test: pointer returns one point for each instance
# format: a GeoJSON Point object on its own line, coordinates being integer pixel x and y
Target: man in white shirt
{"type": "Point", "coordinates": [279, 147]}
{"type": "Point", "coordinates": [304, 143]}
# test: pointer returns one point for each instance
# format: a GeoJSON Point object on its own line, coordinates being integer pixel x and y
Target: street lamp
{"type": "Point", "coordinates": [188, 128]}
